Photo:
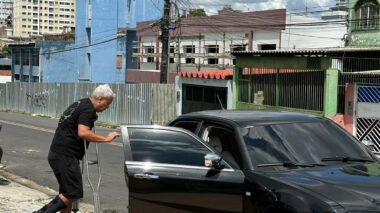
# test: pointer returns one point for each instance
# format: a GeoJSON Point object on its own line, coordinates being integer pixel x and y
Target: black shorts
{"type": "Point", "coordinates": [68, 173]}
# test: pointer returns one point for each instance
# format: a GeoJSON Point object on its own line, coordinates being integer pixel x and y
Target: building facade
{"type": "Point", "coordinates": [36, 17]}
{"type": "Point", "coordinates": [309, 32]}
{"type": "Point", "coordinates": [5, 70]}
{"type": "Point", "coordinates": [204, 43]}
{"type": "Point", "coordinates": [25, 62]}
{"type": "Point", "coordinates": [364, 23]}
{"type": "Point", "coordinates": [6, 10]}
{"type": "Point", "coordinates": [102, 49]}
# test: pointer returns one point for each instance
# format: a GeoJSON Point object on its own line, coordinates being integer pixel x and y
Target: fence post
{"type": "Point", "coordinates": [277, 88]}
{"type": "Point", "coordinates": [330, 102]}
{"type": "Point", "coordinates": [235, 86]}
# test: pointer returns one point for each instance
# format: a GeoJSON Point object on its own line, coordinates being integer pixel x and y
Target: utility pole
{"type": "Point", "coordinates": [165, 42]}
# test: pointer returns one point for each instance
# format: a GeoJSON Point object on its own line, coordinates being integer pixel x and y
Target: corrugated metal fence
{"type": "Point", "coordinates": [134, 103]}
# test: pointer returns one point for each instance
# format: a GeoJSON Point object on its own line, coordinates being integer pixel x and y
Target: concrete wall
{"type": "Point", "coordinates": [58, 62]}
{"type": "Point", "coordinates": [4, 79]}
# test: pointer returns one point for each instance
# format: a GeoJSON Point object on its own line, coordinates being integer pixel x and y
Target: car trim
{"type": "Point", "coordinates": [152, 164]}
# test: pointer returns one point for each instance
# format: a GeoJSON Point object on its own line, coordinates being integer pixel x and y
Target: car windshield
{"type": "Point", "coordinates": [302, 142]}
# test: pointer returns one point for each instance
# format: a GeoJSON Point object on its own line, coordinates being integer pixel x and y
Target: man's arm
{"type": "Point", "coordinates": [85, 133]}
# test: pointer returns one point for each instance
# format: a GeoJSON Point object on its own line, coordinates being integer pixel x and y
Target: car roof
{"type": "Point", "coordinates": [253, 117]}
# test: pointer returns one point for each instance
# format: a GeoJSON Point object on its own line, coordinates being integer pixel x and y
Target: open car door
{"type": "Point", "coordinates": [165, 172]}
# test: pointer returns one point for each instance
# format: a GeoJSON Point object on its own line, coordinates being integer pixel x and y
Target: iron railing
{"type": "Point", "coordinates": [290, 88]}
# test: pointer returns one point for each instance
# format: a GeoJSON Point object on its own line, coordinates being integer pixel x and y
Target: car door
{"type": "Point", "coordinates": [165, 172]}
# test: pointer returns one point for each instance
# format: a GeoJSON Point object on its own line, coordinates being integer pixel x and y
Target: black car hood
{"type": "Point", "coordinates": [350, 185]}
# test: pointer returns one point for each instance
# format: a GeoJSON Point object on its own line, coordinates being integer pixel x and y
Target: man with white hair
{"type": "Point", "coordinates": [67, 148]}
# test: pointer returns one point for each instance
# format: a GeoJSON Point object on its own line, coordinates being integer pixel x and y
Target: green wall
{"type": "Point", "coordinates": [290, 62]}
{"type": "Point", "coordinates": [361, 38]}
{"type": "Point", "coordinates": [283, 62]}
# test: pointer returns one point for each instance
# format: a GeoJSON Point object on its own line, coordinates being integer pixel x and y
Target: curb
{"type": "Point", "coordinates": [84, 207]}
{"type": "Point", "coordinates": [28, 183]}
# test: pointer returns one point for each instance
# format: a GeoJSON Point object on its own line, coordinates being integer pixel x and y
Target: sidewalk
{"type": "Point", "coordinates": [20, 195]}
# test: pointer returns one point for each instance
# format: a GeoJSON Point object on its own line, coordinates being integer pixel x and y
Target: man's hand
{"type": "Point", "coordinates": [111, 136]}
{"type": "Point", "coordinates": [85, 133]}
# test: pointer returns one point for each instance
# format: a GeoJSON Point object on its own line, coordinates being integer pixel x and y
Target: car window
{"type": "Point", "coordinates": [300, 142]}
{"type": "Point", "coordinates": [222, 141]}
{"type": "Point", "coordinates": [166, 146]}
{"type": "Point", "coordinates": [191, 126]}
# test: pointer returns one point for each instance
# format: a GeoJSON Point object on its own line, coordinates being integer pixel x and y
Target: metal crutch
{"type": "Point", "coordinates": [95, 190]}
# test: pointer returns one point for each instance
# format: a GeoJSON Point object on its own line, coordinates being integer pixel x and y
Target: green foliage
{"type": "Point", "coordinates": [6, 50]}
{"type": "Point", "coordinates": [196, 12]}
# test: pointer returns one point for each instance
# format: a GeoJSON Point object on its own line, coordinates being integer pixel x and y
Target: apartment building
{"type": "Point", "coordinates": [205, 42]}
{"type": "Point", "coordinates": [6, 8]}
{"type": "Point", "coordinates": [38, 17]}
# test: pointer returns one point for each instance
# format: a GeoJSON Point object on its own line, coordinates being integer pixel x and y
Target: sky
{"type": "Point", "coordinates": [212, 6]}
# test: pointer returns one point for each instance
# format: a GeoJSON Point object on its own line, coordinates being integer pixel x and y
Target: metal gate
{"type": "Point", "coordinates": [367, 115]}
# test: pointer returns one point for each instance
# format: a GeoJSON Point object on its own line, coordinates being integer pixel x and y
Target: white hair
{"type": "Point", "coordinates": [103, 91]}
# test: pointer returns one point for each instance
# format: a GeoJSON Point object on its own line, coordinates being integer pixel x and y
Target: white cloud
{"type": "Point", "coordinates": [212, 6]}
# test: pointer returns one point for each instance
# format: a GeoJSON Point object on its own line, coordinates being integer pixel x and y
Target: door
{"type": "Point", "coordinates": [165, 172]}
{"type": "Point", "coordinates": [367, 116]}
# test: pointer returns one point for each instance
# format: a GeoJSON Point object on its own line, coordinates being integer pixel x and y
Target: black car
{"type": "Point", "coordinates": [249, 161]}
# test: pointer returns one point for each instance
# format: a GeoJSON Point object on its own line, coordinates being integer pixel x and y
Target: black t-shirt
{"type": "Point", "coordinates": [66, 140]}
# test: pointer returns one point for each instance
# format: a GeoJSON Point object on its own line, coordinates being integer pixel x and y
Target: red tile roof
{"type": "Point", "coordinates": [212, 74]}
{"type": "Point", "coordinates": [234, 21]}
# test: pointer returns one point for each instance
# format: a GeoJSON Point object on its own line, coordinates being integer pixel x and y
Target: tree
{"type": "Point", "coordinates": [6, 50]}
{"type": "Point", "coordinates": [196, 12]}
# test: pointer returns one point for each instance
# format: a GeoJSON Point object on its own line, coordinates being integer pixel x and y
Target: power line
{"type": "Point", "coordinates": [75, 48]}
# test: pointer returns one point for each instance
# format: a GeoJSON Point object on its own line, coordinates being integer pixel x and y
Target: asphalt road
{"type": "Point", "coordinates": [26, 140]}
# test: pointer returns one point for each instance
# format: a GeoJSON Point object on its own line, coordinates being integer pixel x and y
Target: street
{"type": "Point", "coordinates": [26, 140]}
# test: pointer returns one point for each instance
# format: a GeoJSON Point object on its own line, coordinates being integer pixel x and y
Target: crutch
{"type": "Point", "coordinates": [95, 189]}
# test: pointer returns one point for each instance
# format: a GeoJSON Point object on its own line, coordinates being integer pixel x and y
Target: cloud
{"type": "Point", "coordinates": [212, 6]}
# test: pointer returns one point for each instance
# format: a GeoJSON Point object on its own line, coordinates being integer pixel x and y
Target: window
{"type": "Point", "coordinates": [237, 47]}
{"type": "Point", "coordinates": [150, 59]}
{"type": "Point", "coordinates": [367, 15]}
{"type": "Point", "coordinates": [149, 49]}
{"type": "Point", "coordinates": [189, 49]}
{"type": "Point", "coordinates": [25, 58]}
{"type": "Point", "coordinates": [266, 46]}
{"type": "Point", "coordinates": [212, 61]}
{"type": "Point", "coordinates": [36, 59]}
{"type": "Point", "coordinates": [190, 60]}
{"type": "Point", "coordinates": [166, 146]}
{"type": "Point", "coordinates": [17, 58]}
{"type": "Point", "coordinates": [296, 141]}
{"type": "Point", "coordinates": [188, 125]}
{"type": "Point", "coordinates": [212, 48]}
{"type": "Point", "coordinates": [172, 48]}
{"type": "Point", "coordinates": [171, 60]}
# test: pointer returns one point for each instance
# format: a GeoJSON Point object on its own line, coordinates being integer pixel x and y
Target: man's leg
{"type": "Point", "coordinates": [68, 203]}
{"type": "Point", "coordinates": [53, 206]}
{"type": "Point", "coordinates": [69, 176]}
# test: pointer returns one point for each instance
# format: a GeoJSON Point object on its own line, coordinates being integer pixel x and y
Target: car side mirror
{"type": "Point", "coordinates": [213, 160]}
